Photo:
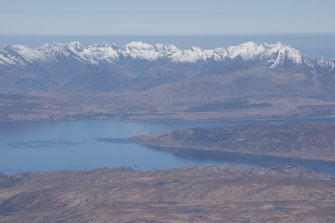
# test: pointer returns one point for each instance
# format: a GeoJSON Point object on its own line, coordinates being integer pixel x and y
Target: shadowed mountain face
{"type": "Point", "coordinates": [250, 79]}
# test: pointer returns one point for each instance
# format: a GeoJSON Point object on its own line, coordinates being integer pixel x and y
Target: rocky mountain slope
{"type": "Point", "coordinates": [137, 65]}
{"type": "Point", "coordinates": [147, 82]}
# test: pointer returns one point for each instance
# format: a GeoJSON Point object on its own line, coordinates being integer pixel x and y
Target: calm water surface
{"type": "Point", "coordinates": [88, 144]}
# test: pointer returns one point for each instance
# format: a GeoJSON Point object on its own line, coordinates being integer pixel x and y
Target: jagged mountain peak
{"type": "Point", "coordinates": [280, 53]}
{"type": "Point", "coordinates": [247, 50]}
{"type": "Point", "coordinates": [138, 45]}
{"type": "Point", "coordinates": [272, 55]}
{"type": "Point", "coordinates": [75, 46]}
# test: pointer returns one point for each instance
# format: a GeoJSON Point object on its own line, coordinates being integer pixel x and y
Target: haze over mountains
{"type": "Point", "coordinates": [138, 65]}
{"type": "Point", "coordinates": [247, 80]}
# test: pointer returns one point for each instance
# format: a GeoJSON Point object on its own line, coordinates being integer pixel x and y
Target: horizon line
{"type": "Point", "coordinates": [174, 35]}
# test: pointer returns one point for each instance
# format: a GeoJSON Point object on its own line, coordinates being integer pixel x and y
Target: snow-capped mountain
{"type": "Point", "coordinates": [273, 55]}
{"type": "Point", "coordinates": [138, 65]}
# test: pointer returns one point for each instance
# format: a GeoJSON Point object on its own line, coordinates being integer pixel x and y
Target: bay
{"type": "Point", "coordinates": [89, 144]}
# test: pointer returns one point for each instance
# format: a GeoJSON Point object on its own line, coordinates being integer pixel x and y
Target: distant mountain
{"type": "Point", "coordinates": [137, 65]}
{"type": "Point", "coordinates": [142, 81]}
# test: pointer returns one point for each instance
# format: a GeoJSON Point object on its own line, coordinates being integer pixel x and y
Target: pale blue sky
{"type": "Point", "coordinates": [165, 17]}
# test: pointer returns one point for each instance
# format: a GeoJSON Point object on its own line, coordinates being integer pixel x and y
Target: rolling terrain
{"type": "Point", "coordinates": [146, 82]}
{"type": "Point", "coordinates": [161, 82]}
{"type": "Point", "coordinates": [309, 140]}
{"type": "Point", "coordinates": [199, 194]}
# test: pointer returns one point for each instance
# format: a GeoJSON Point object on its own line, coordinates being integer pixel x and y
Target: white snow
{"type": "Point", "coordinates": [97, 53]}
{"type": "Point", "coordinates": [50, 52]}
{"type": "Point", "coordinates": [220, 54]}
{"type": "Point", "coordinates": [6, 60]}
{"type": "Point", "coordinates": [249, 50]}
{"type": "Point", "coordinates": [271, 54]}
{"type": "Point", "coordinates": [141, 50]}
{"type": "Point", "coordinates": [188, 56]}
{"type": "Point", "coordinates": [282, 53]}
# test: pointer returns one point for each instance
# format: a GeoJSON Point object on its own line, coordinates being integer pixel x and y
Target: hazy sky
{"type": "Point", "coordinates": [165, 17]}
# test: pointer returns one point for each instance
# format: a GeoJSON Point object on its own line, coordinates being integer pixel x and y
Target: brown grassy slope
{"type": "Point", "coordinates": [202, 194]}
{"type": "Point", "coordinates": [310, 140]}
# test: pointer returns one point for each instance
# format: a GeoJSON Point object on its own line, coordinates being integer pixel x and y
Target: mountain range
{"type": "Point", "coordinates": [251, 79]}
{"type": "Point", "coordinates": [138, 65]}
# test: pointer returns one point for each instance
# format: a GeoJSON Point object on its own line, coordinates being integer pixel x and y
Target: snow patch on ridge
{"type": "Point", "coordinates": [249, 50]}
{"type": "Point", "coordinates": [279, 53]}
{"type": "Point", "coordinates": [273, 55]}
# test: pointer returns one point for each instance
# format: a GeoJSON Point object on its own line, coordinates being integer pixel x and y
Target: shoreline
{"type": "Point", "coordinates": [166, 119]}
{"type": "Point", "coordinates": [201, 148]}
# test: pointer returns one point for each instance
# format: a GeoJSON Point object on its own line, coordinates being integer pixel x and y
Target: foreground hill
{"type": "Point", "coordinates": [200, 194]}
{"type": "Point", "coordinates": [311, 140]}
{"type": "Point", "coordinates": [150, 82]}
